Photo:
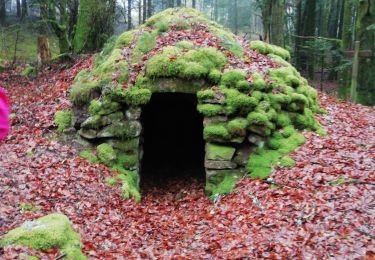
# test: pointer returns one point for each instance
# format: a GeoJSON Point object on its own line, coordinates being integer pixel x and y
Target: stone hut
{"type": "Point", "coordinates": [180, 80]}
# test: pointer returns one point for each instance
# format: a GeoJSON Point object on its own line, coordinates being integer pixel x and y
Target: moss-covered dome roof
{"type": "Point", "coordinates": [250, 95]}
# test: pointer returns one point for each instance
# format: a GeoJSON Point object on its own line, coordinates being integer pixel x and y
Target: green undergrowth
{"type": "Point", "coordinates": [119, 161]}
{"type": "Point", "coordinates": [221, 184]}
{"type": "Point", "coordinates": [63, 119]}
{"type": "Point", "coordinates": [51, 231]}
{"type": "Point", "coordinates": [275, 152]}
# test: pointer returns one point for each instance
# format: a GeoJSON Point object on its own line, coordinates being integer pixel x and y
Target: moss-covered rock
{"type": "Point", "coordinates": [106, 154]}
{"type": "Point", "coordinates": [47, 232]}
{"type": "Point", "coordinates": [219, 152]}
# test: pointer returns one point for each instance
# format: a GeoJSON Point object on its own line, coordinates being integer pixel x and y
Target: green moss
{"type": "Point", "coordinates": [286, 161]}
{"type": "Point", "coordinates": [27, 207]}
{"type": "Point", "coordinates": [278, 146]}
{"type": "Point", "coordinates": [230, 78]}
{"type": "Point", "coordinates": [130, 185]}
{"type": "Point", "coordinates": [190, 65]}
{"type": "Point", "coordinates": [216, 131]}
{"type": "Point", "coordinates": [243, 85]}
{"type": "Point", "coordinates": [114, 67]}
{"type": "Point", "coordinates": [124, 39]}
{"type": "Point", "coordinates": [231, 44]}
{"type": "Point", "coordinates": [206, 94]}
{"type": "Point", "coordinates": [88, 155]}
{"type": "Point", "coordinates": [127, 161]}
{"type": "Point", "coordinates": [214, 76]}
{"type": "Point", "coordinates": [257, 118]}
{"type": "Point", "coordinates": [221, 184]}
{"type": "Point", "coordinates": [127, 145]}
{"type": "Point", "coordinates": [237, 102]}
{"type": "Point", "coordinates": [258, 82]}
{"type": "Point", "coordinates": [285, 76]}
{"type": "Point", "coordinates": [187, 45]}
{"type": "Point", "coordinates": [283, 120]}
{"type": "Point", "coordinates": [257, 95]}
{"type": "Point", "coordinates": [47, 232]}
{"type": "Point", "coordinates": [219, 152]}
{"type": "Point", "coordinates": [307, 120]}
{"type": "Point", "coordinates": [133, 96]}
{"type": "Point", "coordinates": [238, 126]}
{"type": "Point", "coordinates": [106, 154]}
{"type": "Point", "coordinates": [84, 91]}
{"type": "Point", "coordinates": [210, 109]}
{"type": "Point", "coordinates": [266, 48]}
{"type": "Point", "coordinates": [95, 107]}
{"type": "Point", "coordinates": [111, 181]}
{"type": "Point", "coordinates": [29, 71]}
{"type": "Point", "coordinates": [162, 27]}
{"type": "Point", "coordinates": [341, 181]}
{"type": "Point", "coordinates": [63, 119]}
{"type": "Point", "coordinates": [146, 42]}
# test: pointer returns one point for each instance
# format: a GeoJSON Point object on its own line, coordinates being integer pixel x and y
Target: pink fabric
{"type": "Point", "coordinates": [4, 114]}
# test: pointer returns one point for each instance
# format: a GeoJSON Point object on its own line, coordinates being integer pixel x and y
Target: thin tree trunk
{"type": "Point", "coordinates": [194, 4]}
{"type": "Point", "coordinates": [2, 12]}
{"type": "Point", "coordinates": [178, 3]}
{"type": "Point", "coordinates": [310, 31]}
{"type": "Point", "coordinates": [149, 8]}
{"type": "Point", "coordinates": [44, 51]}
{"type": "Point", "coordinates": [277, 22]}
{"type": "Point", "coordinates": [139, 12]}
{"type": "Point", "coordinates": [24, 8]}
{"type": "Point", "coordinates": [129, 14]}
{"type": "Point", "coordinates": [144, 8]}
{"type": "Point", "coordinates": [366, 75]}
{"type": "Point", "coordinates": [18, 5]}
{"type": "Point", "coordinates": [346, 44]}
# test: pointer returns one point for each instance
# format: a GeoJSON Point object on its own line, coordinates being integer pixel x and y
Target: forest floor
{"type": "Point", "coordinates": [323, 207]}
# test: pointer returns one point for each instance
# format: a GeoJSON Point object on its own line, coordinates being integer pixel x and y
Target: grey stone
{"type": "Point", "coordinates": [258, 129]}
{"type": "Point", "coordinates": [125, 129]}
{"type": "Point", "coordinates": [255, 139]}
{"type": "Point", "coordinates": [88, 133]}
{"type": "Point", "coordinates": [219, 98]}
{"type": "Point", "coordinates": [91, 122]}
{"type": "Point", "coordinates": [133, 113]}
{"type": "Point", "coordinates": [211, 164]}
{"type": "Point", "coordinates": [214, 119]}
{"type": "Point", "coordinates": [219, 152]}
{"type": "Point", "coordinates": [236, 172]}
{"type": "Point", "coordinates": [112, 118]}
{"type": "Point", "coordinates": [243, 154]}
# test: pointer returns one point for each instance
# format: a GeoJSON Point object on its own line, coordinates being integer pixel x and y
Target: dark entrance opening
{"type": "Point", "coordinates": [173, 145]}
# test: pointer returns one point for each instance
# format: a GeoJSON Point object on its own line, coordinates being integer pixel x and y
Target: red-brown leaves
{"type": "Point", "coordinates": [305, 216]}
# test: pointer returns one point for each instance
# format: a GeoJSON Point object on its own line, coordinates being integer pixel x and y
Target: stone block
{"type": "Point", "coordinates": [211, 164]}
{"type": "Point", "coordinates": [255, 139]}
{"type": "Point", "coordinates": [133, 113]}
{"type": "Point", "coordinates": [258, 129]}
{"type": "Point", "coordinates": [243, 153]}
{"type": "Point", "coordinates": [219, 152]}
{"type": "Point", "coordinates": [125, 129]}
{"type": "Point", "coordinates": [214, 120]}
{"type": "Point", "coordinates": [88, 133]}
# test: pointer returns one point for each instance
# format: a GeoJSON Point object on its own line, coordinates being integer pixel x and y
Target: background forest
{"type": "Point", "coordinates": [318, 33]}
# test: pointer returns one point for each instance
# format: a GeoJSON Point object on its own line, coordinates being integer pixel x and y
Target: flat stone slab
{"type": "Point", "coordinates": [219, 152]}
{"type": "Point", "coordinates": [210, 164]}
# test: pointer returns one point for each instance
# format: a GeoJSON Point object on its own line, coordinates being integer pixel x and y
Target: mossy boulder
{"type": "Point", "coordinates": [51, 231]}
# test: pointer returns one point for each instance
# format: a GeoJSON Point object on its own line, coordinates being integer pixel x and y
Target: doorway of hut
{"type": "Point", "coordinates": [172, 141]}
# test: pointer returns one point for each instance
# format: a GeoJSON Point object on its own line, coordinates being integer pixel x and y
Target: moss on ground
{"type": "Point", "coordinates": [63, 119]}
{"type": "Point", "coordinates": [106, 154]}
{"type": "Point", "coordinates": [277, 148]}
{"type": "Point", "coordinates": [221, 183]}
{"type": "Point", "coordinates": [47, 232]}
{"type": "Point", "coordinates": [265, 48]}
{"type": "Point", "coordinates": [89, 155]}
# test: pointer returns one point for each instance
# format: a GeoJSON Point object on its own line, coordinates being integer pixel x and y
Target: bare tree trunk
{"type": "Point", "coordinates": [24, 8]}
{"type": "Point", "coordinates": [2, 12]}
{"type": "Point", "coordinates": [194, 4]}
{"type": "Point", "coordinates": [129, 14]}
{"type": "Point", "coordinates": [18, 8]}
{"type": "Point", "coordinates": [179, 3]}
{"type": "Point", "coordinates": [149, 8]}
{"type": "Point", "coordinates": [139, 12]}
{"type": "Point", "coordinates": [44, 51]}
{"type": "Point", "coordinates": [277, 22]}
{"type": "Point", "coordinates": [144, 7]}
